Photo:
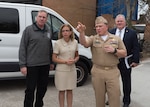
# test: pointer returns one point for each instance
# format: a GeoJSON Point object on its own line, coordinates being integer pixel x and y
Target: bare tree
{"type": "Point", "coordinates": [130, 6]}
{"type": "Point", "coordinates": [147, 16]}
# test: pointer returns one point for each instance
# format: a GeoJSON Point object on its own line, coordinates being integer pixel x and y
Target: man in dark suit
{"type": "Point", "coordinates": [125, 65]}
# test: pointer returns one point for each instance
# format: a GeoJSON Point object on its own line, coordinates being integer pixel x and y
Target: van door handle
{"type": "Point", "coordinates": [0, 39]}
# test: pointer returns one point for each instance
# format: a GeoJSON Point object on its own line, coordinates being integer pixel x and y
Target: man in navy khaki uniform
{"type": "Point", "coordinates": [106, 50]}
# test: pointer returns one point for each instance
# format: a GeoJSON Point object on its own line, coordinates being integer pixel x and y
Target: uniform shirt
{"type": "Point", "coordinates": [99, 56]}
{"type": "Point", "coordinates": [65, 51]}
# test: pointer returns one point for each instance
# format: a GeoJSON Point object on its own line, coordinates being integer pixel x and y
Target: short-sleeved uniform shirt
{"type": "Point", "coordinates": [99, 56]}
{"type": "Point", "coordinates": [65, 75]}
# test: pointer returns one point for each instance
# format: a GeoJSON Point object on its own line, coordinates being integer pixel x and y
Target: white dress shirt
{"type": "Point", "coordinates": [120, 33]}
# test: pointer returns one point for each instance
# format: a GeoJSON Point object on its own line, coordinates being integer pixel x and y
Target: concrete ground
{"type": "Point", "coordinates": [12, 92]}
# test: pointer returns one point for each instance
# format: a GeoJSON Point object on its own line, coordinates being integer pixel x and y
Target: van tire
{"type": "Point", "coordinates": [82, 73]}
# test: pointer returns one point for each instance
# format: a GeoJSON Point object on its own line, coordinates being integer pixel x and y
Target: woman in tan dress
{"type": "Point", "coordinates": [65, 54]}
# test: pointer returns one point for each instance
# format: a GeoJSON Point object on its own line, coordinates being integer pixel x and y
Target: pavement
{"type": "Point", "coordinates": [12, 92]}
{"type": "Point", "coordinates": [141, 84]}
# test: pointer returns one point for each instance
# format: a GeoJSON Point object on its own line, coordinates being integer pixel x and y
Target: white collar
{"type": "Point", "coordinates": [122, 32]}
{"type": "Point", "coordinates": [104, 37]}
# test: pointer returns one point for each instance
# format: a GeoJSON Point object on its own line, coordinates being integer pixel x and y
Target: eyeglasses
{"type": "Point", "coordinates": [65, 30]}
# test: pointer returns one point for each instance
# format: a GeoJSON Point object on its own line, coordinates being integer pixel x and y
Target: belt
{"type": "Point", "coordinates": [105, 67]}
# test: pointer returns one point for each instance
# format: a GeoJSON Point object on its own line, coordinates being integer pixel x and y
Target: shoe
{"type": "Point", "coordinates": [107, 103]}
{"type": "Point", "coordinates": [126, 105]}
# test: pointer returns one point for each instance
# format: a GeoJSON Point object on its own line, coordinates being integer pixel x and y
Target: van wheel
{"type": "Point", "coordinates": [82, 73]}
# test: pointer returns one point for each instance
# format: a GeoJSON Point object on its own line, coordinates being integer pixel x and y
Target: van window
{"type": "Point", "coordinates": [9, 20]}
{"type": "Point", "coordinates": [56, 24]}
{"type": "Point", "coordinates": [53, 22]}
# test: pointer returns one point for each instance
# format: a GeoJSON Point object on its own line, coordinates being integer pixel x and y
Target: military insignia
{"type": "Point", "coordinates": [111, 37]}
{"type": "Point", "coordinates": [113, 41]}
{"type": "Point", "coordinates": [97, 41]}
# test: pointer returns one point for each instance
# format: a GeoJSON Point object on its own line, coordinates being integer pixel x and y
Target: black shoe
{"type": "Point", "coordinates": [107, 103]}
{"type": "Point", "coordinates": [126, 105]}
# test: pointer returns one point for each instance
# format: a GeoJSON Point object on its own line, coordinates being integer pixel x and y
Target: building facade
{"type": "Point", "coordinates": [74, 11]}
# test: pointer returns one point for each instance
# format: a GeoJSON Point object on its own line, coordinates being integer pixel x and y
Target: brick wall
{"type": "Point", "coordinates": [74, 11]}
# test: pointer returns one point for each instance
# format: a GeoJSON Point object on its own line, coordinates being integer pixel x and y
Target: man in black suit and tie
{"type": "Point", "coordinates": [125, 65]}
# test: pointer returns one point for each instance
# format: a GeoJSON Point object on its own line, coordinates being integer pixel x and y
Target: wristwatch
{"type": "Point", "coordinates": [115, 51]}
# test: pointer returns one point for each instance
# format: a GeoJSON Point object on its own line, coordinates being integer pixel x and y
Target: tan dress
{"type": "Point", "coordinates": [65, 75]}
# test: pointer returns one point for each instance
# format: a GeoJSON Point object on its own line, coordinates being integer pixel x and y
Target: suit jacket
{"type": "Point", "coordinates": [132, 46]}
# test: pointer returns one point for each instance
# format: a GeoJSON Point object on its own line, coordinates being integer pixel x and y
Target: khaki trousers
{"type": "Point", "coordinates": [106, 79]}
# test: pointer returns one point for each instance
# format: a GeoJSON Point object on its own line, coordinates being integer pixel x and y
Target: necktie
{"type": "Point", "coordinates": [120, 33]}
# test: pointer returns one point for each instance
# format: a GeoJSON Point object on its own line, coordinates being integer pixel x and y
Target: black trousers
{"type": "Point", "coordinates": [37, 78]}
{"type": "Point", "coordinates": [126, 81]}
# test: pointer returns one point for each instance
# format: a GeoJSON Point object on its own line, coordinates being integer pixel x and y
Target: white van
{"type": "Point", "coordinates": [13, 20]}
{"type": "Point", "coordinates": [140, 29]}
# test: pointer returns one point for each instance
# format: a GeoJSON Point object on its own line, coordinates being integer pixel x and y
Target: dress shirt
{"type": "Point", "coordinates": [120, 33]}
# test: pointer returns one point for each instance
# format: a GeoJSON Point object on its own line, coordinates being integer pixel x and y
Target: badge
{"type": "Point", "coordinates": [97, 41]}
{"type": "Point", "coordinates": [48, 35]}
{"type": "Point", "coordinates": [113, 42]}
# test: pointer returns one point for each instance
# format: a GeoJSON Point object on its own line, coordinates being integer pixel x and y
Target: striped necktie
{"type": "Point", "coordinates": [120, 33]}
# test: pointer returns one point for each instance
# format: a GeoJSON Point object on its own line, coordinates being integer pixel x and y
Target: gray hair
{"type": "Point", "coordinates": [120, 15]}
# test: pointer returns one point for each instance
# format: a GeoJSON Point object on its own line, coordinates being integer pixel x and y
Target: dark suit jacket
{"type": "Point", "coordinates": [131, 42]}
